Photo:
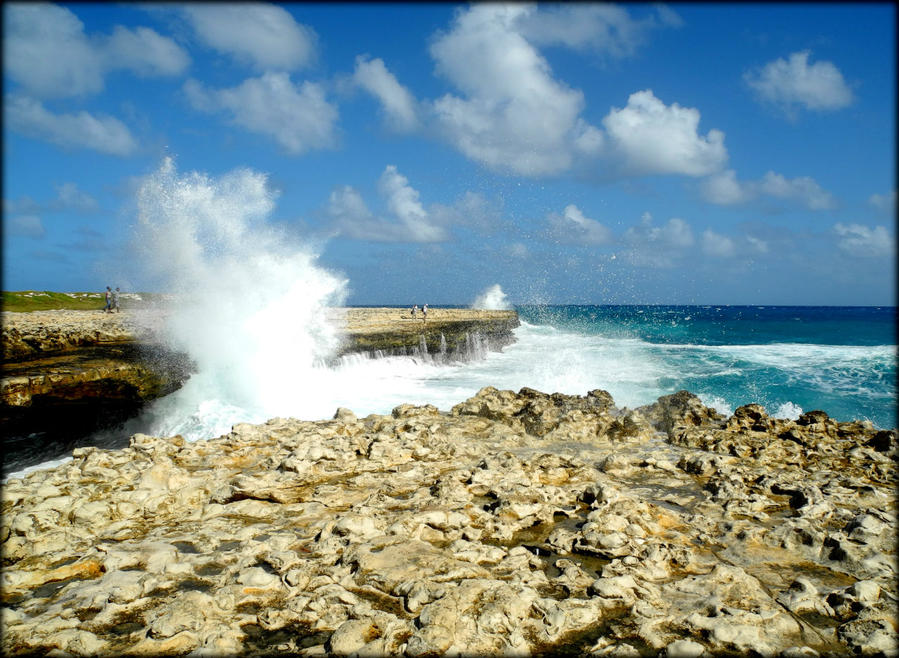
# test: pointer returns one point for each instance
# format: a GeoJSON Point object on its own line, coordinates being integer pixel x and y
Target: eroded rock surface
{"type": "Point", "coordinates": [518, 523]}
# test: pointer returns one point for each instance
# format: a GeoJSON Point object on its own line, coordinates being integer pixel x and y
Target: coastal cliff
{"type": "Point", "coordinates": [515, 524]}
{"type": "Point", "coordinates": [77, 370]}
{"type": "Point", "coordinates": [446, 331]}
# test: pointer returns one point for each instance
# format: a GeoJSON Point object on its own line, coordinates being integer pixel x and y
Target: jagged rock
{"type": "Point", "coordinates": [681, 409]}
{"type": "Point", "coordinates": [518, 523]}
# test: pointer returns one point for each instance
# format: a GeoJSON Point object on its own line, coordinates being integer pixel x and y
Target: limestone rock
{"type": "Point", "coordinates": [518, 523]}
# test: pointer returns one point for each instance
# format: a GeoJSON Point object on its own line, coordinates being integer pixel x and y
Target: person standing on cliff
{"type": "Point", "coordinates": [414, 311]}
{"type": "Point", "coordinates": [424, 313]}
{"type": "Point", "coordinates": [108, 300]}
{"type": "Point", "coordinates": [115, 300]}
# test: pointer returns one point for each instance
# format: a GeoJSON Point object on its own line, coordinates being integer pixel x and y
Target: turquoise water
{"type": "Point", "coordinates": [788, 358]}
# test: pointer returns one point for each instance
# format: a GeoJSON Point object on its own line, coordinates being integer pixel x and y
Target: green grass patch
{"type": "Point", "coordinates": [24, 301]}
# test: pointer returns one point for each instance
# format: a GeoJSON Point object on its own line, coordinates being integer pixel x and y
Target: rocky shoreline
{"type": "Point", "coordinates": [517, 523]}
{"type": "Point", "coordinates": [67, 374]}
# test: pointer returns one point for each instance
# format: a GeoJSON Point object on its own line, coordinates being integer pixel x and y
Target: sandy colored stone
{"type": "Point", "coordinates": [517, 523]}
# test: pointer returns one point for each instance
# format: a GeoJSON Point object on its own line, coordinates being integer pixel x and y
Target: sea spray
{"type": "Point", "coordinates": [492, 299]}
{"type": "Point", "coordinates": [251, 305]}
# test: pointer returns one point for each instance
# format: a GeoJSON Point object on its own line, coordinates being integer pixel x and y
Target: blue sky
{"type": "Point", "coordinates": [580, 153]}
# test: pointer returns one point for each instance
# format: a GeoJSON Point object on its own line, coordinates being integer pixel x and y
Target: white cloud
{"type": "Point", "coordinates": [573, 227]}
{"type": "Point", "coordinates": [103, 133]}
{"type": "Point", "coordinates": [298, 117]}
{"type": "Point", "coordinates": [346, 204]}
{"type": "Point", "coordinates": [68, 196]}
{"type": "Point", "coordinates": [885, 202]}
{"type": "Point", "coordinates": [25, 226]}
{"type": "Point", "coordinates": [471, 209]}
{"type": "Point", "coordinates": [265, 36]}
{"type": "Point", "coordinates": [652, 138]}
{"type": "Point", "coordinates": [145, 52]}
{"type": "Point", "coordinates": [601, 28]}
{"type": "Point", "coordinates": [402, 201]}
{"type": "Point", "coordinates": [514, 115]}
{"type": "Point", "coordinates": [803, 189]}
{"type": "Point", "coordinates": [788, 84]}
{"type": "Point", "coordinates": [724, 189]}
{"type": "Point", "coordinates": [674, 233]}
{"type": "Point", "coordinates": [717, 245]}
{"type": "Point", "coordinates": [759, 245]}
{"type": "Point", "coordinates": [46, 51]}
{"type": "Point", "coordinates": [399, 105]}
{"type": "Point", "coordinates": [407, 221]}
{"type": "Point", "coordinates": [657, 246]}
{"type": "Point", "coordinates": [865, 242]}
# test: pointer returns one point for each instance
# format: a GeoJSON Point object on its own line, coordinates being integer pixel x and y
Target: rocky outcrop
{"type": "Point", "coordinates": [452, 333]}
{"type": "Point", "coordinates": [73, 372]}
{"type": "Point", "coordinates": [518, 523]}
{"type": "Point", "coordinates": [39, 334]}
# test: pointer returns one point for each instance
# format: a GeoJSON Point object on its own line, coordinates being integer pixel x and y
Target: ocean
{"type": "Point", "coordinates": [790, 359]}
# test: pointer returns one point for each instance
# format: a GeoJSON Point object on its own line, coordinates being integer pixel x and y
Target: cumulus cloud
{"type": "Point", "coordinates": [793, 83]}
{"type": "Point", "coordinates": [885, 202]}
{"type": "Point", "coordinates": [46, 51]}
{"type": "Point", "coordinates": [264, 36]}
{"type": "Point", "coordinates": [717, 245]}
{"type": "Point", "coordinates": [298, 117]}
{"type": "Point", "coordinates": [657, 246]}
{"type": "Point", "coordinates": [803, 189]}
{"type": "Point", "coordinates": [513, 114]}
{"type": "Point", "coordinates": [674, 233]}
{"type": "Point", "coordinates": [605, 29]}
{"type": "Point", "coordinates": [470, 209]}
{"type": "Point", "coordinates": [145, 52]}
{"type": "Point", "coordinates": [865, 242]}
{"type": "Point", "coordinates": [407, 220]}
{"type": "Point", "coordinates": [83, 130]}
{"type": "Point", "coordinates": [403, 201]}
{"type": "Point", "coordinates": [724, 189]}
{"type": "Point", "coordinates": [650, 137]}
{"type": "Point", "coordinates": [24, 226]}
{"type": "Point", "coordinates": [573, 227]}
{"type": "Point", "coordinates": [398, 103]}
{"type": "Point", "coordinates": [68, 197]}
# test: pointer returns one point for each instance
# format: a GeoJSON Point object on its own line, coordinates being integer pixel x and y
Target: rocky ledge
{"type": "Point", "coordinates": [456, 333]}
{"type": "Point", "coordinates": [517, 523]}
{"type": "Point", "coordinates": [78, 370]}
{"type": "Point", "coordinates": [74, 371]}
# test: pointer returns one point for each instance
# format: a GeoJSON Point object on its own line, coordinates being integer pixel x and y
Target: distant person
{"type": "Point", "coordinates": [115, 300]}
{"type": "Point", "coordinates": [414, 311]}
{"type": "Point", "coordinates": [108, 306]}
{"type": "Point", "coordinates": [424, 313]}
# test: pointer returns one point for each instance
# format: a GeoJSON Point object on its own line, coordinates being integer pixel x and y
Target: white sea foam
{"type": "Point", "coordinates": [492, 299]}
{"type": "Point", "coordinates": [717, 403]}
{"type": "Point", "coordinates": [788, 410]}
{"type": "Point", "coordinates": [251, 299]}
